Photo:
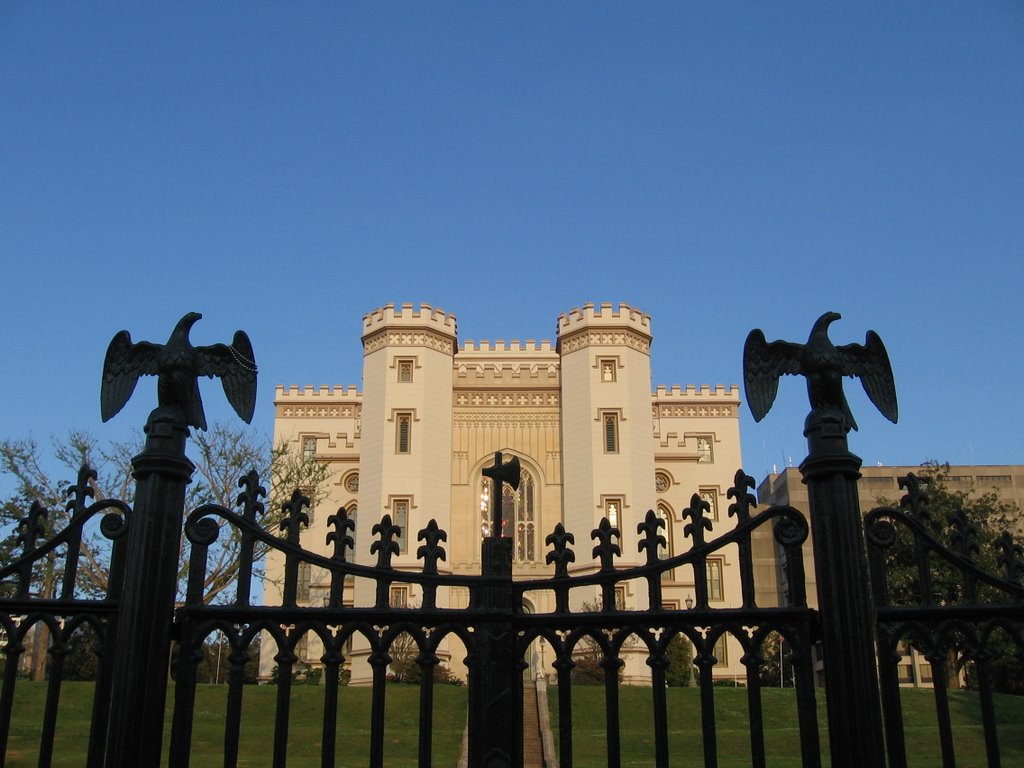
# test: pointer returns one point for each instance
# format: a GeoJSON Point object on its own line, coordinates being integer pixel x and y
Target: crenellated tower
{"type": "Point", "coordinates": [607, 453]}
{"type": "Point", "coordinates": [405, 461]}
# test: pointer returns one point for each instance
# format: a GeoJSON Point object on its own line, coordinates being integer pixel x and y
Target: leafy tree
{"type": "Point", "coordinates": [680, 662]}
{"type": "Point", "coordinates": [774, 653]}
{"type": "Point", "coordinates": [221, 456]}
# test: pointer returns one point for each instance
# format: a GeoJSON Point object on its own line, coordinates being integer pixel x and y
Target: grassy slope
{"type": "Point", "coordinates": [401, 730]}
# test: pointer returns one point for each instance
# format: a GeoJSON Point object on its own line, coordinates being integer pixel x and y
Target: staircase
{"type": "Point", "coordinates": [533, 756]}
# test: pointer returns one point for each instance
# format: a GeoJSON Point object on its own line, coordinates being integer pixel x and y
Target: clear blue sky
{"type": "Point", "coordinates": [284, 168]}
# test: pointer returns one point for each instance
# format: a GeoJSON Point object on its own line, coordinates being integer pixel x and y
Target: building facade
{"type": "Point", "coordinates": [877, 486]}
{"type": "Point", "coordinates": [593, 439]}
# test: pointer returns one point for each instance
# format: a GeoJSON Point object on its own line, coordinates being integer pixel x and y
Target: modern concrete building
{"type": "Point", "coordinates": [593, 438]}
{"type": "Point", "coordinates": [878, 486]}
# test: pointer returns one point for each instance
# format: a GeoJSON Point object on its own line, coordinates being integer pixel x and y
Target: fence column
{"type": "Point", "coordinates": [844, 598]}
{"type": "Point", "coordinates": [162, 471]}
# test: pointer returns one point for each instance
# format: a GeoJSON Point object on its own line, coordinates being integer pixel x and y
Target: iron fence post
{"type": "Point", "coordinates": [162, 471]}
{"type": "Point", "coordinates": [495, 712]}
{"type": "Point", "coordinates": [844, 598]}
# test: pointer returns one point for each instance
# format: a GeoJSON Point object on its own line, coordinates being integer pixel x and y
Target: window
{"type": "Point", "coordinates": [399, 597]}
{"type": "Point", "coordinates": [721, 650]}
{"type": "Point", "coordinates": [620, 597]}
{"type": "Point", "coordinates": [403, 433]}
{"type": "Point", "coordinates": [710, 495]}
{"type": "Point", "coordinates": [610, 422]}
{"type": "Point", "coordinates": [308, 448]}
{"type": "Point", "coordinates": [704, 455]}
{"type": "Point", "coordinates": [405, 368]}
{"type": "Point", "coordinates": [352, 482]}
{"type": "Point", "coordinates": [607, 366]}
{"type": "Point", "coordinates": [714, 570]}
{"type": "Point", "coordinates": [661, 482]}
{"type": "Point", "coordinates": [665, 552]}
{"type": "Point", "coordinates": [400, 517]}
{"type": "Point", "coordinates": [305, 573]}
{"type": "Point", "coordinates": [519, 514]}
{"type": "Point", "coordinates": [612, 510]}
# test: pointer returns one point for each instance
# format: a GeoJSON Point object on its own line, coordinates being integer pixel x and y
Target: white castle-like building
{"type": "Point", "coordinates": [593, 439]}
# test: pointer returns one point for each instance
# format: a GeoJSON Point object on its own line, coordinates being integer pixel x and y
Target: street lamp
{"type": "Point", "coordinates": [540, 672]}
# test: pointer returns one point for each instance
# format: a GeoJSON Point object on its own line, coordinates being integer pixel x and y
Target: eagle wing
{"type": "Point", "coordinates": [236, 368]}
{"type": "Point", "coordinates": [870, 363]}
{"type": "Point", "coordinates": [122, 366]}
{"type": "Point", "coordinates": [763, 364]}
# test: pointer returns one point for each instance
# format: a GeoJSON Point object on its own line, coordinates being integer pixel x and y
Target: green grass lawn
{"type": "Point", "coordinates": [257, 737]}
{"type": "Point", "coordinates": [401, 731]}
{"type": "Point", "coordinates": [782, 735]}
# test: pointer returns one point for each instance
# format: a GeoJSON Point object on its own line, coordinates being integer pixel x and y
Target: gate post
{"type": "Point", "coordinates": [162, 471]}
{"type": "Point", "coordinates": [495, 712]}
{"type": "Point", "coordinates": [844, 597]}
{"type": "Point", "coordinates": [840, 558]}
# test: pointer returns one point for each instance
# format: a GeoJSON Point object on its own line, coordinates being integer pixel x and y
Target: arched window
{"type": "Point", "coordinates": [519, 514]}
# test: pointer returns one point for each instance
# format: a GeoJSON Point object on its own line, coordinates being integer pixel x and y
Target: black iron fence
{"type": "Point", "coordinates": [951, 613]}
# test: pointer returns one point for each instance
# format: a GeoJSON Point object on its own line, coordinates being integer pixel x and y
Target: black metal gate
{"type": "Point", "coordinates": [138, 620]}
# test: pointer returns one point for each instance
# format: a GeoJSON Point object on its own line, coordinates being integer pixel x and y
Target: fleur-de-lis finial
{"type": "Point", "coordinates": [915, 501]}
{"type": "Point", "coordinates": [652, 540]}
{"type": "Point", "coordinates": [1010, 558]}
{"type": "Point", "coordinates": [607, 547]}
{"type": "Point", "coordinates": [697, 513]}
{"type": "Point", "coordinates": [31, 527]}
{"type": "Point", "coordinates": [963, 538]}
{"type": "Point", "coordinates": [294, 518]}
{"type": "Point", "coordinates": [560, 553]}
{"type": "Point", "coordinates": [342, 524]}
{"type": "Point", "coordinates": [387, 544]}
{"type": "Point", "coordinates": [251, 497]}
{"type": "Point", "coordinates": [744, 501]}
{"type": "Point", "coordinates": [431, 550]}
{"type": "Point", "coordinates": [79, 493]}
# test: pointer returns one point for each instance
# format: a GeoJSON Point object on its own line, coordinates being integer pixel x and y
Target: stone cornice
{"type": "Point", "coordinates": [612, 337]}
{"type": "Point", "coordinates": [517, 398]}
{"type": "Point", "coordinates": [408, 337]}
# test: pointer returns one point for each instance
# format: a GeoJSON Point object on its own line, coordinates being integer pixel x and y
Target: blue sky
{"type": "Point", "coordinates": [285, 168]}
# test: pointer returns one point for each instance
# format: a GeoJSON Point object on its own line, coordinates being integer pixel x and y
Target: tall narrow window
{"type": "Point", "coordinates": [612, 510]}
{"type": "Point", "coordinates": [403, 430]}
{"type": "Point", "coordinates": [405, 371]}
{"type": "Point", "coordinates": [715, 588]}
{"type": "Point", "coordinates": [704, 455]}
{"type": "Point", "coordinates": [611, 433]}
{"type": "Point", "coordinates": [308, 448]}
{"type": "Point", "coordinates": [607, 369]}
{"type": "Point", "coordinates": [721, 650]}
{"type": "Point", "coordinates": [665, 550]}
{"type": "Point", "coordinates": [519, 512]}
{"type": "Point", "coordinates": [711, 497]}
{"type": "Point", "coordinates": [400, 510]}
{"type": "Point", "coordinates": [305, 574]}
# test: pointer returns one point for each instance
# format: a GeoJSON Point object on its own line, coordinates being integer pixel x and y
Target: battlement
{"type": "Point", "coordinates": [603, 316]}
{"type": "Point", "coordinates": [693, 392]}
{"type": "Point", "coordinates": [501, 347]}
{"type": "Point", "coordinates": [323, 392]}
{"type": "Point", "coordinates": [409, 316]}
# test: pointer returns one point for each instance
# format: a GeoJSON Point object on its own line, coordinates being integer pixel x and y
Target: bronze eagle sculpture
{"type": "Point", "coordinates": [178, 364]}
{"type": "Point", "coordinates": [824, 364]}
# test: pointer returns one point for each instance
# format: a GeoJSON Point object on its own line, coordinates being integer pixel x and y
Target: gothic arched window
{"type": "Point", "coordinates": [519, 514]}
